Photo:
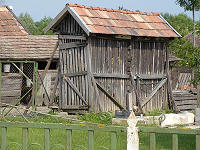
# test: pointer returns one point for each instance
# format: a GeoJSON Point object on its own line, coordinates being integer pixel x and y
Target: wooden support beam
{"type": "Point", "coordinates": [71, 45]}
{"type": "Point", "coordinates": [73, 107]}
{"type": "Point", "coordinates": [169, 87]}
{"type": "Point", "coordinates": [110, 96]}
{"type": "Point", "coordinates": [75, 89]}
{"type": "Point", "coordinates": [110, 75]}
{"type": "Point", "coordinates": [151, 77]}
{"type": "Point", "coordinates": [72, 37]}
{"type": "Point", "coordinates": [147, 99]}
{"type": "Point", "coordinates": [83, 73]}
{"type": "Point", "coordinates": [136, 92]}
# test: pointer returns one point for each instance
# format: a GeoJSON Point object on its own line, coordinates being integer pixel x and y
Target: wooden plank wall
{"type": "Point", "coordinates": [149, 60]}
{"type": "Point", "coordinates": [184, 100]}
{"type": "Point", "coordinates": [109, 57]}
{"type": "Point", "coordinates": [74, 67]}
{"type": "Point", "coordinates": [69, 26]}
{"type": "Point", "coordinates": [48, 82]}
{"type": "Point", "coordinates": [11, 87]}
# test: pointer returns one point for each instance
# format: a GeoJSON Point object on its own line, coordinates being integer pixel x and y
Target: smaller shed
{"type": "Point", "coordinates": [20, 50]}
{"type": "Point", "coordinates": [112, 59]}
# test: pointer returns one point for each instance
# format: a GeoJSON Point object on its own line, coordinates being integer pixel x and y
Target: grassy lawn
{"type": "Point", "coordinates": [80, 138]}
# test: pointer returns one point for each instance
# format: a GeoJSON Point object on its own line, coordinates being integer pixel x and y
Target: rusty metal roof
{"type": "Point", "coordinates": [118, 22]}
{"type": "Point", "coordinates": [9, 24]}
{"type": "Point", "coordinates": [28, 47]}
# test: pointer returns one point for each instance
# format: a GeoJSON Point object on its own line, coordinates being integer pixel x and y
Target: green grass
{"type": "Point", "coordinates": [80, 138]}
{"type": "Point", "coordinates": [158, 112]}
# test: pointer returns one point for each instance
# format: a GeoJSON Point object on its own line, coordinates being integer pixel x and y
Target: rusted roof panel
{"type": "Point", "coordinates": [9, 24]}
{"type": "Point", "coordinates": [111, 21]}
{"type": "Point", "coordinates": [27, 47]}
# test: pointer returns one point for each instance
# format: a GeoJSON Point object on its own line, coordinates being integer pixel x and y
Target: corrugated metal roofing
{"type": "Point", "coordinates": [9, 24]}
{"type": "Point", "coordinates": [110, 21]}
{"type": "Point", "coordinates": [29, 47]}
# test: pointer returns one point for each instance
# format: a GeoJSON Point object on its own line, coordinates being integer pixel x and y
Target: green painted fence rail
{"type": "Point", "coordinates": [68, 127]}
{"type": "Point", "coordinates": [91, 129]}
{"type": "Point", "coordinates": [175, 132]}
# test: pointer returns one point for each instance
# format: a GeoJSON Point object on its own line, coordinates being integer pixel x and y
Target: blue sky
{"type": "Point", "coordinates": [40, 8]}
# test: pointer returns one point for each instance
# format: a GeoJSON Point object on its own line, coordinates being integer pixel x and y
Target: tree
{"type": "Point", "coordinates": [178, 22]}
{"type": "Point", "coordinates": [35, 28]}
{"type": "Point", "coordinates": [28, 22]}
{"type": "Point", "coordinates": [190, 5]}
{"type": "Point", "coordinates": [42, 24]}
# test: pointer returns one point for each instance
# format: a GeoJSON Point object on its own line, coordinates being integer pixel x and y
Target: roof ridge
{"type": "Point", "coordinates": [113, 10]}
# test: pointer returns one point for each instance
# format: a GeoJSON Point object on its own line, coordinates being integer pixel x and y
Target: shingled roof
{"type": "Point", "coordinates": [17, 44]}
{"type": "Point", "coordinates": [9, 24]}
{"type": "Point", "coordinates": [118, 22]}
{"type": "Point", "coordinates": [30, 47]}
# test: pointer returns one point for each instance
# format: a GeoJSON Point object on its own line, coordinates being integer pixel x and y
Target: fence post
{"type": "Point", "coordinates": [132, 133]}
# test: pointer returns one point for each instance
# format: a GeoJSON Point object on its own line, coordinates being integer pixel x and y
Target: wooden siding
{"type": "Point", "coordinates": [11, 87]}
{"type": "Point", "coordinates": [109, 59]}
{"type": "Point", "coordinates": [49, 82]}
{"type": "Point", "coordinates": [185, 101]}
{"type": "Point", "coordinates": [69, 26]}
{"type": "Point", "coordinates": [149, 58]}
{"type": "Point", "coordinates": [73, 68]}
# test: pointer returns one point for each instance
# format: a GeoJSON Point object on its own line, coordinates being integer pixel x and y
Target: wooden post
{"type": "Point", "coordinates": [132, 133]}
{"type": "Point", "coordinates": [0, 83]}
{"type": "Point", "coordinates": [169, 88]}
{"type": "Point", "coordinates": [88, 61]}
{"type": "Point", "coordinates": [198, 95]}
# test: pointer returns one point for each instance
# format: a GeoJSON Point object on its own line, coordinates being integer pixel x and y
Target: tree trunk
{"type": "Point", "coordinates": [193, 11]}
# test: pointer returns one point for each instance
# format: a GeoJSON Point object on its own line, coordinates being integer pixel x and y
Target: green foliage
{"type": "Point", "coordinates": [102, 118]}
{"type": "Point", "coordinates": [35, 28]}
{"type": "Point", "coordinates": [158, 112]}
{"type": "Point", "coordinates": [181, 23]}
{"type": "Point", "coordinates": [42, 24]}
{"type": "Point", "coordinates": [190, 55]}
{"type": "Point", "coordinates": [189, 5]}
{"type": "Point", "coordinates": [28, 22]}
{"type": "Point", "coordinates": [122, 8]}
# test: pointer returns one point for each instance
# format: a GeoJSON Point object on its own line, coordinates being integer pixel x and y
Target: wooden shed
{"type": "Point", "coordinates": [112, 59]}
{"type": "Point", "coordinates": [22, 52]}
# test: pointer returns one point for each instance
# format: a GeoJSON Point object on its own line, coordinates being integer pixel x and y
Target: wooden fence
{"type": "Point", "coordinates": [114, 131]}
{"type": "Point", "coordinates": [175, 132]}
{"type": "Point", "coordinates": [91, 129]}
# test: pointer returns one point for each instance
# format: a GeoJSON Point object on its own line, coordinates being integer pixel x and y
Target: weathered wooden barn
{"type": "Point", "coordinates": [22, 54]}
{"type": "Point", "coordinates": [112, 59]}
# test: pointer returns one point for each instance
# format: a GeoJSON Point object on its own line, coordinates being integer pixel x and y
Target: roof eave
{"type": "Point", "coordinates": [170, 26]}
{"type": "Point", "coordinates": [74, 14]}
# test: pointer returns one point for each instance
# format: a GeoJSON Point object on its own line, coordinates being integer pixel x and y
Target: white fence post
{"type": "Point", "coordinates": [132, 133]}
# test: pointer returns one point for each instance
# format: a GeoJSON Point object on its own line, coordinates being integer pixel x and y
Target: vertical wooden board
{"type": "Point", "coordinates": [25, 138]}
{"type": "Point", "coordinates": [152, 141]}
{"type": "Point", "coordinates": [79, 70]}
{"type": "Point", "coordinates": [83, 69]}
{"type": "Point", "coordinates": [71, 71]}
{"type": "Point", "coordinates": [69, 139]}
{"type": "Point", "coordinates": [68, 88]}
{"type": "Point", "coordinates": [197, 142]}
{"type": "Point", "coordinates": [47, 139]}
{"type": "Point", "coordinates": [155, 58]}
{"type": "Point", "coordinates": [73, 79]}
{"type": "Point", "coordinates": [86, 77]}
{"type": "Point", "coordinates": [65, 72]}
